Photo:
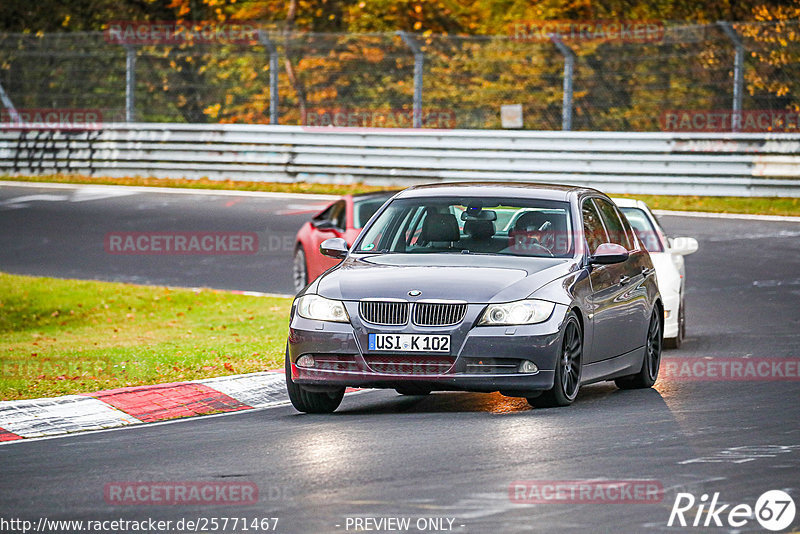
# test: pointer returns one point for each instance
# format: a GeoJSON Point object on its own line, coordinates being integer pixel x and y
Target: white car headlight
{"type": "Point", "coordinates": [527, 311]}
{"type": "Point", "coordinates": [321, 309]}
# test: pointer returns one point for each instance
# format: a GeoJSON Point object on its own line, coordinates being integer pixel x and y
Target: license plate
{"type": "Point", "coordinates": [409, 343]}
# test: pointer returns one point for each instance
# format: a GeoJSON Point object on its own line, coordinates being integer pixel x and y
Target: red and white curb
{"type": "Point", "coordinates": [113, 408]}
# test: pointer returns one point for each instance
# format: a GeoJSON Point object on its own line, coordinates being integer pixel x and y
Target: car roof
{"type": "Point", "coordinates": [509, 189]}
{"type": "Point", "coordinates": [629, 203]}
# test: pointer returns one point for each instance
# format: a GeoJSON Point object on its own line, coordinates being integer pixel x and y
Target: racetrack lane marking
{"type": "Point", "coordinates": [322, 197]}
{"type": "Point", "coordinates": [713, 215]}
{"type": "Point", "coordinates": [300, 209]}
{"type": "Point", "coordinates": [5, 435]}
{"type": "Point", "coordinates": [172, 190]}
{"type": "Point", "coordinates": [22, 202]}
{"type": "Point", "coordinates": [257, 390]}
{"type": "Point", "coordinates": [743, 454]}
{"type": "Point", "coordinates": [276, 404]}
{"type": "Point", "coordinates": [169, 401]}
{"type": "Point", "coordinates": [60, 415]}
{"type": "Point", "coordinates": [753, 236]}
{"type": "Point", "coordinates": [83, 194]}
{"type": "Point", "coordinates": [776, 283]}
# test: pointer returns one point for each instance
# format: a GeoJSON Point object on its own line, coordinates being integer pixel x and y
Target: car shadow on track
{"type": "Point", "coordinates": [590, 397]}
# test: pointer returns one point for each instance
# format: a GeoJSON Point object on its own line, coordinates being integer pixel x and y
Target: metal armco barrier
{"type": "Point", "coordinates": [615, 162]}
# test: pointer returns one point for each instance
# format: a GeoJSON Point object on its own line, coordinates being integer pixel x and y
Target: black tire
{"type": "Point", "coordinates": [311, 401]}
{"type": "Point", "coordinates": [676, 342]}
{"type": "Point", "coordinates": [568, 369]}
{"type": "Point", "coordinates": [648, 374]}
{"type": "Point", "coordinates": [413, 390]}
{"type": "Point", "coordinates": [299, 269]}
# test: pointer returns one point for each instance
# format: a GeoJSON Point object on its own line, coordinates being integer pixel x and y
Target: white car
{"type": "Point", "coordinates": [667, 254]}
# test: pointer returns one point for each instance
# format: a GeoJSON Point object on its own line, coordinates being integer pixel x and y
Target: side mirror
{"type": "Point", "coordinates": [608, 253]}
{"type": "Point", "coordinates": [683, 246]}
{"type": "Point", "coordinates": [335, 247]}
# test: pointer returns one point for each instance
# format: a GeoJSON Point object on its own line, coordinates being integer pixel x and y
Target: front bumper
{"type": "Point", "coordinates": [671, 306]}
{"type": "Point", "coordinates": [355, 365]}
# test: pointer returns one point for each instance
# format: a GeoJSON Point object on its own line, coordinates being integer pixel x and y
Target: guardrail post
{"type": "Point", "coordinates": [738, 74]}
{"type": "Point", "coordinates": [12, 111]}
{"type": "Point", "coordinates": [569, 67]}
{"type": "Point", "coordinates": [419, 62]}
{"type": "Point", "coordinates": [273, 75]}
{"type": "Point", "coordinates": [130, 83]}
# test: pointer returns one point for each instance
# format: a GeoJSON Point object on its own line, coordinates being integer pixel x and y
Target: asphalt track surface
{"type": "Point", "coordinates": [449, 455]}
{"type": "Point", "coordinates": [62, 232]}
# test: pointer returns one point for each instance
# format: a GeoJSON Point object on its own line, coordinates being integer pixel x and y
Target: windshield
{"type": "Point", "coordinates": [510, 226]}
{"type": "Point", "coordinates": [643, 228]}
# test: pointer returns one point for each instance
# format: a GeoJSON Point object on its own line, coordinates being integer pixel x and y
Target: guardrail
{"type": "Point", "coordinates": [615, 162]}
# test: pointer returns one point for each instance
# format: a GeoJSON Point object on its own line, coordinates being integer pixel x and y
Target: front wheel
{"type": "Point", "coordinates": [568, 369]}
{"type": "Point", "coordinates": [311, 401]}
{"type": "Point", "coordinates": [648, 375]}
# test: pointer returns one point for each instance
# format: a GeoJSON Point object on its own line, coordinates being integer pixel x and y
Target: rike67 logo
{"type": "Point", "coordinates": [774, 510]}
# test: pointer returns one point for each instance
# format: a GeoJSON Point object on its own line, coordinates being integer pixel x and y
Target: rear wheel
{"type": "Point", "coordinates": [677, 341]}
{"type": "Point", "coordinates": [568, 369]}
{"type": "Point", "coordinates": [299, 269]}
{"type": "Point", "coordinates": [311, 401]}
{"type": "Point", "coordinates": [648, 375]}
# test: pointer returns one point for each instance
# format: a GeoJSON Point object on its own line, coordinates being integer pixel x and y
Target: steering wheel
{"type": "Point", "coordinates": [542, 247]}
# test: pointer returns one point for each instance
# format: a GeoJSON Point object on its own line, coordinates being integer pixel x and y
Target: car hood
{"type": "Point", "coordinates": [473, 278]}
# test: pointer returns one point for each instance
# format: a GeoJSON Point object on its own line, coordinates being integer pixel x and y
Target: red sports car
{"type": "Point", "coordinates": [343, 218]}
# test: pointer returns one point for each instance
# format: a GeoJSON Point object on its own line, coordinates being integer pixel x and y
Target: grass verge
{"type": "Point", "coordinates": [749, 205]}
{"type": "Point", "coordinates": [61, 337]}
{"type": "Point", "coordinates": [758, 206]}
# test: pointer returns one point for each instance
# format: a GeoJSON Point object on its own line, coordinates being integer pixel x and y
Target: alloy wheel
{"type": "Point", "coordinates": [571, 361]}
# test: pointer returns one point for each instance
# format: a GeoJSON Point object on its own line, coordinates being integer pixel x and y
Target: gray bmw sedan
{"type": "Point", "coordinates": [527, 289]}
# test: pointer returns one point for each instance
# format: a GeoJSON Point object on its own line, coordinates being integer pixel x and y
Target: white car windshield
{"type": "Point", "coordinates": [644, 229]}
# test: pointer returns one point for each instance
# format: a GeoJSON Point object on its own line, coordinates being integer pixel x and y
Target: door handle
{"type": "Point", "coordinates": [624, 280]}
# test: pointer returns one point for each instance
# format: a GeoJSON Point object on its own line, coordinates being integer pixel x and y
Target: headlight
{"type": "Point", "coordinates": [518, 312]}
{"type": "Point", "coordinates": [321, 309]}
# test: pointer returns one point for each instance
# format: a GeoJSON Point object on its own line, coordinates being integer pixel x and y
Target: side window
{"type": "Point", "coordinates": [592, 227]}
{"type": "Point", "coordinates": [613, 223]}
{"type": "Point", "coordinates": [338, 215]}
{"type": "Point", "coordinates": [325, 215]}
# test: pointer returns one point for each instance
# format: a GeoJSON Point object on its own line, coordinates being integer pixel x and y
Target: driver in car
{"type": "Point", "coordinates": [533, 233]}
